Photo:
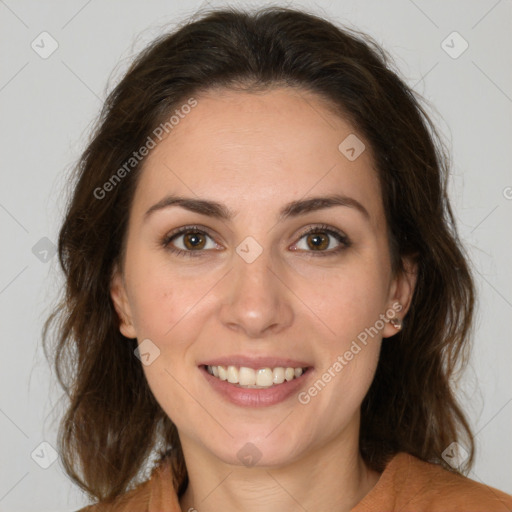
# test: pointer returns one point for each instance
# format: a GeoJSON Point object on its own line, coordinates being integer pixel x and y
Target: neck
{"type": "Point", "coordinates": [333, 478]}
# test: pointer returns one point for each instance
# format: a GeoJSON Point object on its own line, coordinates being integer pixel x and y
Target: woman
{"type": "Point", "coordinates": [265, 286]}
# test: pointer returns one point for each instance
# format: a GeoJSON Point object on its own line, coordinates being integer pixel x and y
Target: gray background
{"type": "Point", "coordinates": [48, 106]}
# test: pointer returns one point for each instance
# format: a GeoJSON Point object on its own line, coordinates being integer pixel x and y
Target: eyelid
{"type": "Point", "coordinates": [183, 230]}
{"type": "Point", "coordinates": [343, 239]}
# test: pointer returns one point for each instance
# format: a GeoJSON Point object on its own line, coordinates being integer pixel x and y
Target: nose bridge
{"type": "Point", "coordinates": [256, 302]}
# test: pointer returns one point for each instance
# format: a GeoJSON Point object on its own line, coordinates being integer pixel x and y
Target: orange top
{"type": "Point", "coordinates": [407, 485]}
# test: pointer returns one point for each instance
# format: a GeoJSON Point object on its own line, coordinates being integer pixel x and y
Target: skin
{"type": "Point", "coordinates": [254, 153]}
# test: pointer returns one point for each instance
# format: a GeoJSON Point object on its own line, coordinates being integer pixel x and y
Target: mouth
{"type": "Point", "coordinates": [255, 378]}
{"type": "Point", "coordinates": [256, 381]}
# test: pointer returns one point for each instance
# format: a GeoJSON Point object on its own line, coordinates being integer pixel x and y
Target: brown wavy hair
{"type": "Point", "coordinates": [113, 424]}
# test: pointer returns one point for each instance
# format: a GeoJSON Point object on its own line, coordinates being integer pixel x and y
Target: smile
{"type": "Point", "coordinates": [259, 378]}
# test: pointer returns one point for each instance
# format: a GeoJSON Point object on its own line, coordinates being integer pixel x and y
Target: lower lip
{"type": "Point", "coordinates": [252, 397]}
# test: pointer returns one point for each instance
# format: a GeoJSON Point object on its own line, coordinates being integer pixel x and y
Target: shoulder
{"type": "Point", "coordinates": [410, 484]}
{"type": "Point", "coordinates": [137, 498]}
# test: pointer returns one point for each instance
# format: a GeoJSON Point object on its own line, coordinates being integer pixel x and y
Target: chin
{"type": "Point", "coordinates": [257, 448]}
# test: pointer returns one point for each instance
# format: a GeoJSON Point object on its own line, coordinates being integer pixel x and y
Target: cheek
{"type": "Point", "coordinates": [347, 299]}
{"type": "Point", "coordinates": [349, 306]}
{"type": "Point", "coordinates": [162, 298]}
{"type": "Point", "coordinates": [351, 384]}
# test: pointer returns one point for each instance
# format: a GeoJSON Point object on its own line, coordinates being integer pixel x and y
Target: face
{"type": "Point", "coordinates": [249, 272]}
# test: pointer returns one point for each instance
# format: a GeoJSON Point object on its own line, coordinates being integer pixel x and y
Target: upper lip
{"type": "Point", "coordinates": [255, 362]}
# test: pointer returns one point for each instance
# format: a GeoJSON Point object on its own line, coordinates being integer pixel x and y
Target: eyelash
{"type": "Point", "coordinates": [338, 235]}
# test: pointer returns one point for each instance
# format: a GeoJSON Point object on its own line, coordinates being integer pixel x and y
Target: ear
{"type": "Point", "coordinates": [121, 304]}
{"type": "Point", "coordinates": [401, 293]}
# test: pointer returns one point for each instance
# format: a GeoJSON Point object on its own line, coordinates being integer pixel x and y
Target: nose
{"type": "Point", "coordinates": [257, 301]}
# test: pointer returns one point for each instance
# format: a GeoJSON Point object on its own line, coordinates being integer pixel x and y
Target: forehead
{"type": "Point", "coordinates": [268, 148]}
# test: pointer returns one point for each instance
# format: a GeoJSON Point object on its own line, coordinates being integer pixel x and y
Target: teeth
{"type": "Point", "coordinates": [250, 378]}
{"type": "Point", "coordinates": [233, 374]}
{"type": "Point", "coordinates": [278, 375]}
{"type": "Point", "coordinates": [223, 374]}
{"type": "Point", "coordinates": [264, 377]}
{"type": "Point", "coordinates": [246, 376]}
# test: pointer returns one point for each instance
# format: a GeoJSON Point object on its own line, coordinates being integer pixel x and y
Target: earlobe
{"type": "Point", "coordinates": [401, 293]}
{"type": "Point", "coordinates": [121, 304]}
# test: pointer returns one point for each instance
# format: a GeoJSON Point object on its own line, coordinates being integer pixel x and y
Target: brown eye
{"type": "Point", "coordinates": [189, 241]}
{"type": "Point", "coordinates": [317, 241]}
{"type": "Point", "coordinates": [323, 240]}
{"type": "Point", "coordinates": [194, 240]}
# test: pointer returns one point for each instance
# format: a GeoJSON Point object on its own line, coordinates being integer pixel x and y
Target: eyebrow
{"type": "Point", "coordinates": [290, 210]}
